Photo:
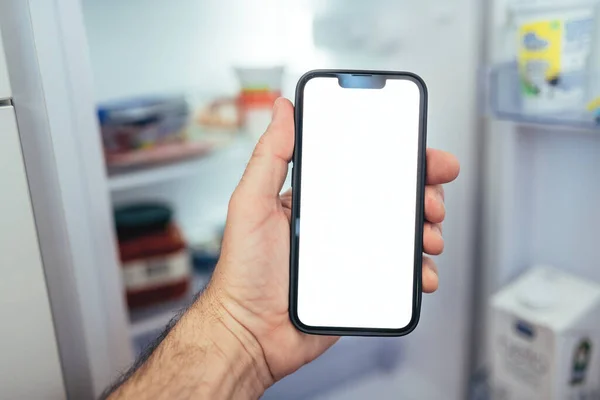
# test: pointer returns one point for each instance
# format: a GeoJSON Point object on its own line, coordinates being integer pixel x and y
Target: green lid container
{"type": "Point", "coordinates": [142, 218]}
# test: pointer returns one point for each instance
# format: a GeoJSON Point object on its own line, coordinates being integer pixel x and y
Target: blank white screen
{"type": "Point", "coordinates": [358, 204]}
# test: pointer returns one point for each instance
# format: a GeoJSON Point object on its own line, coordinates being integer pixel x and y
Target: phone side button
{"type": "Point", "coordinates": [292, 176]}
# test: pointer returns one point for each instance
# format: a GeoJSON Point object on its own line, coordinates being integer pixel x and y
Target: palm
{"type": "Point", "coordinates": [260, 281]}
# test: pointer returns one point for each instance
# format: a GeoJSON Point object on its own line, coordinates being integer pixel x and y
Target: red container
{"type": "Point", "coordinates": [156, 267]}
{"type": "Point", "coordinates": [154, 257]}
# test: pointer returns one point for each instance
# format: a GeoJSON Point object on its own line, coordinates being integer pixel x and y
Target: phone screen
{"type": "Point", "coordinates": [358, 211]}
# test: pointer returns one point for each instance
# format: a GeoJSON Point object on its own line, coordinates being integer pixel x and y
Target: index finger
{"type": "Point", "coordinates": [442, 167]}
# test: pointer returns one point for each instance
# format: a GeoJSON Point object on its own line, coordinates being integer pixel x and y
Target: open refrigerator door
{"type": "Point", "coordinates": [541, 205]}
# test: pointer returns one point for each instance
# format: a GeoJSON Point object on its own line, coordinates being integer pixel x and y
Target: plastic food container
{"type": "Point", "coordinates": [142, 123]}
{"type": "Point", "coordinates": [260, 87]}
{"type": "Point", "coordinates": [250, 111]}
{"type": "Point", "coordinates": [554, 42]}
{"type": "Point", "coordinates": [260, 79]}
{"type": "Point", "coordinates": [155, 261]}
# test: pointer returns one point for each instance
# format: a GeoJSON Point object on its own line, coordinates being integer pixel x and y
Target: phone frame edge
{"type": "Point", "coordinates": [296, 195]}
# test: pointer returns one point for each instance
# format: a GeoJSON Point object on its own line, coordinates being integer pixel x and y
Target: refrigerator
{"type": "Point", "coordinates": [63, 58]}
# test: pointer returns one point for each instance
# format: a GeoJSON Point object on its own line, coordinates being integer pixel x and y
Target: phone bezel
{"type": "Point", "coordinates": [296, 199]}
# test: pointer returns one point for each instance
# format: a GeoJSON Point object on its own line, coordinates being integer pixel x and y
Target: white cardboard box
{"type": "Point", "coordinates": [545, 338]}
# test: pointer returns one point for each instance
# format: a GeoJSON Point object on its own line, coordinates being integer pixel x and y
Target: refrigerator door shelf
{"type": "Point", "coordinates": [505, 101]}
{"type": "Point", "coordinates": [5, 92]}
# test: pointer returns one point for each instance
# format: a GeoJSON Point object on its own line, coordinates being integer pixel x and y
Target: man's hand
{"type": "Point", "coordinates": [252, 278]}
{"type": "Point", "coordinates": [237, 339]}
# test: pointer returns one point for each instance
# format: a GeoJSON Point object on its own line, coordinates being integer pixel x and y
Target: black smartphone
{"type": "Point", "coordinates": [358, 183]}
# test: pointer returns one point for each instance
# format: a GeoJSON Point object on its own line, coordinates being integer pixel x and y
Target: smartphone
{"type": "Point", "coordinates": [358, 181]}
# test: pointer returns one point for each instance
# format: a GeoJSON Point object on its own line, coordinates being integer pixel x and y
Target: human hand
{"type": "Point", "coordinates": [251, 280]}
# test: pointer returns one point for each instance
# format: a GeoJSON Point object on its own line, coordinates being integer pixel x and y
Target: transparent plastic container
{"type": "Point", "coordinates": [260, 79]}
{"type": "Point", "coordinates": [507, 103]}
{"type": "Point", "coordinates": [260, 87]}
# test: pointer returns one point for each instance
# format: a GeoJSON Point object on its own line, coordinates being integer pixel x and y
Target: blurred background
{"type": "Point", "coordinates": [127, 125]}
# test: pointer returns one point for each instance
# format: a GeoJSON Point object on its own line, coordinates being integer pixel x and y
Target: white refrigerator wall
{"type": "Point", "coordinates": [140, 47]}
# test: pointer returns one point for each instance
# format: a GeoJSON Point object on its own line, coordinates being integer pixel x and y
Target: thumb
{"type": "Point", "coordinates": [267, 168]}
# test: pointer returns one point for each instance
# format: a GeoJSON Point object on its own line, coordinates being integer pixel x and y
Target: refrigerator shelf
{"type": "Point", "coordinates": [239, 146]}
{"type": "Point", "coordinates": [158, 155]}
{"type": "Point", "coordinates": [505, 103]}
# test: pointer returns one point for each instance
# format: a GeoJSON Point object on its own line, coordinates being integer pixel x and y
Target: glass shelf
{"type": "Point", "coordinates": [505, 103]}
{"type": "Point", "coordinates": [239, 147]}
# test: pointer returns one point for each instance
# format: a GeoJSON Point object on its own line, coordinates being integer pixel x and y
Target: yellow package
{"type": "Point", "coordinates": [540, 49]}
{"type": "Point", "coordinates": [553, 48]}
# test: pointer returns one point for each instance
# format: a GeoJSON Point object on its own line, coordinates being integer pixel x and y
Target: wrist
{"type": "Point", "coordinates": [236, 359]}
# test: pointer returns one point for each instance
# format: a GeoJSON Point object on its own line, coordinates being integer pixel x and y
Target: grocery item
{"type": "Point", "coordinates": [260, 79]}
{"type": "Point", "coordinates": [260, 88]}
{"type": "Point", "coordinates": [594, 107]}
{"type": "Point", "coordinates": [142, 123]}
{"type": "Point", "coordinates": [220, 115]}
{"type": "Point", "coordinates": [553, 48]}
{"type": "Point", "coordinates": [545, 337]}
{"type": "Point", "coordinates": [249, 111]}
{"type": "Point", "coordinates": [155, 260]}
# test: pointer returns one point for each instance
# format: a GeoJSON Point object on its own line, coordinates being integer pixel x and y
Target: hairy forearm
{"type": "Point", "coordinates": [207, 355]}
